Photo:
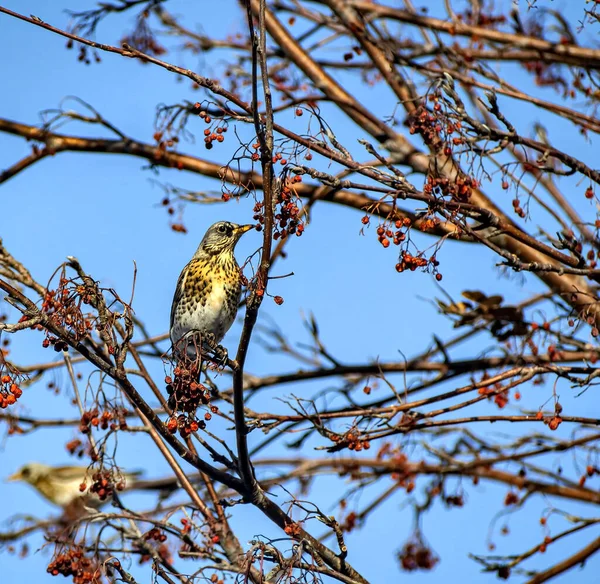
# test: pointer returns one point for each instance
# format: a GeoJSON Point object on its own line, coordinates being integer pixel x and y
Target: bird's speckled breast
{"type": "Point", "coordinates": [211, 292]}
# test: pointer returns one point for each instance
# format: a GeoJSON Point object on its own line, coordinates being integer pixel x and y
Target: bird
{"type": "Point", "coordinates": [72, 486]}
{"type": "Point", "coordinates": [208, 292]}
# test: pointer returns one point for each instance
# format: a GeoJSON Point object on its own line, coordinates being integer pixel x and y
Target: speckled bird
{"type": "Point", "coordinates": [208, 290]}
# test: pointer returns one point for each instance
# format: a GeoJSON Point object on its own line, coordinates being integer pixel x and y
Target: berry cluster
{"type": "Point", "coordinates": [155, 534]}
{"type": "Point", "coordinates": [397, 232]}
{"type": "Point", "coordinates": [73, 563]}
{"type": "Point", "coordinates": [10, 391]}
{"type": "Point", "coordinates": [416, 555]}
{"type": "Point", "coordinates": [350, 522]}
{"type": "Point", "coordinates": [103, 484]}
{"type": "Point", "coordinates": [177, 226]}
{"type": "Point", "coordinates": [385, 232]}
{"type": "Point", "coordinates": [63, 305]}
{"type": "Point", "coordinates": [185, 393]}
{"type": "Point", "coordinates": [58, 344]}
{"type": "Point", "coordinates": [518, 209]}
{"type": "Point", "coordinates": [427, 125]}
{"type": "Point", "coordinates": [259, 214]}
{"type": "Point", "coordinates": [187, 424]}
{"type": "Point", "coordinates": [351, 440]}
{"type": "Point", "coordinates": [410, 262]}
{"type": "Point", "coordinates": [457, 189]}
{"type": "Point", "coordinates": [403, 471]}
{"type": "Point", "coordinates": [107, 419]}
{"type": "Point", "coordinates": [288, 215]}
{"type": "Point", "coordinates": [187, 525]}
{"type": "Point", "coordinates": [82, 54]}
{"type": "Point", "coordinates": [499, 395]}
{"type": "Point", "coordinates": [142, 38]}
{"type": "Point", "coordinates": [210, 135]}
{"type": "Point", "coordinates": [76, 447]}
{"type": "Point", "coordinates": [163, 143]}
{"type": "Point", "coordinates": [162, 549]}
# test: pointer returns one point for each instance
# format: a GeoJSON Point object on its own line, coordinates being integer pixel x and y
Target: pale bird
{"type": "Point", "coordinates": [70, 485]}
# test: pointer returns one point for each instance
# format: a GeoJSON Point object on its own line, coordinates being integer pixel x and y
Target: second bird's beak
{"type": "Point", "coordinates": [14, 477]}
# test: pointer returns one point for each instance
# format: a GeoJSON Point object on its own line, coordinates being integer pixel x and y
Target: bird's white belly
{"type": "Point", "coordinates": [209, 317]}
{"type": "Point", "coordinates": [68, 490]}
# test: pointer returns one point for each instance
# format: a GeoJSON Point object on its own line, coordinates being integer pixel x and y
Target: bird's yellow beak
{"type": "Point", "coordinates": [244, 228]}
{"type": "Point", "coordinates": [14, 477]}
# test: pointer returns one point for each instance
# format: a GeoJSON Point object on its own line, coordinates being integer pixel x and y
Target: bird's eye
{"type": "Point", "coordinates": [26, 471]}
{"type": "Point", "coordinates": [221, 229]}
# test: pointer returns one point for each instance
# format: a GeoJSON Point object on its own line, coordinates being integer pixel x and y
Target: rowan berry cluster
{"type": "Point", "coordinates": [186, 424]}
{"type": "Point", "coordinates": [163, 143]}
{"type": "Point", "coordinates": [385, 232]}
{"type": "Point", "coordinates": [83, 52]}
{"type": "Point", "coordinates": [186, 394]}
{"type": "Point", "coordinates": [142, 37]}
{"type": "Point", "coordinates": [76, 447]}
{"type": "Point", "coordinates": [416, 555]}
{"type": "Point", "coordinates": [162, 549]}
{"type": "Point", "coordinates": [288, 213]}
{"type": "Point", "coordinates": [351, 440]}
{"type": "Point", "coordinates": [155, 534]}
{"type": "Point", "coordinates": [397, 232]}
{"type": "Point", "coordinates": [427, 125]}
{"type": "Point", "coordinates": [516, 203]}
{"type": "Point", "coordinates": [350, 522]}
{"type": "Point", "coordinates": [288, 216]}
{"type": "Point", "coordinates": [403, 472]}
{"type": "Point", "coordinates": [411, 262]}
{"type": "Point", "coordinates": [497, 393]}
{"type": "Point", "coordinates": [458, 188]}
{"type": "Point", "coordinates": [114, 419]}
{"type": "Point", "coordinates": [74, 563]}
{"type": "Point", "coordinates": [63, 306]}
{"type": "Point", "coordinates": [211, 135]}
{"type": "Point", "coordinates": [10, 390]}
{"type": "Point", "coordinates": [293, 529]}
{"type": "Point", "coordinates": [103, 484]}
{"type": "Point", "coordinates": [259, 214]}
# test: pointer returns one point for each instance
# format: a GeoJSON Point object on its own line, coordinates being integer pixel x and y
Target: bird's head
{"type": "Point", "coordinates": [31, 473]}
{"type": "Point", "coordinates": [222, 237]}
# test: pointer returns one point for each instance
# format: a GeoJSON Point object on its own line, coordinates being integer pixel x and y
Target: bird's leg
{"type": "Point", "coordinates": [220, 355]}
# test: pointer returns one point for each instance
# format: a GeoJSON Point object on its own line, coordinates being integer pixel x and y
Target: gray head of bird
{"type": "Point", "coordinates": [57, 484]}
{"type": "Point", "coordinates": [222, 237]}
{"type": "Point", "coordinates": [31, 473]}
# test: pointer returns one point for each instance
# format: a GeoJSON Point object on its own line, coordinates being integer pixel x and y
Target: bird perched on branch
{"type": "Point", "coordinates": [208, 292]}
{"type": "Point", "coordinates": [73, 486]}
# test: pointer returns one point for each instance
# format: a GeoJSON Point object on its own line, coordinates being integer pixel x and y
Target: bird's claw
{"type": "Point", "coordinates": [221, 355]}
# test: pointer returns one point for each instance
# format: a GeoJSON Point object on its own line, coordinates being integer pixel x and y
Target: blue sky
{"type": "Point", "coordinates": [105, 210]}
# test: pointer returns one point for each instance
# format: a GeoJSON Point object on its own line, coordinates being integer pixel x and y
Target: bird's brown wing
{"type": "Point", "coordinates": [178, 292]}
{"type": "Point", "coordinates": [69, 473]}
